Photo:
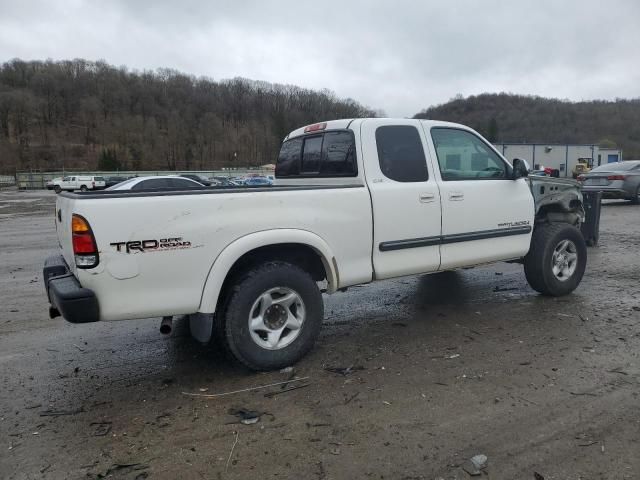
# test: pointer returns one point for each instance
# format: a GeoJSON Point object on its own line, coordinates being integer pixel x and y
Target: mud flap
{"type": "Point", "coordinates": [201, 326]}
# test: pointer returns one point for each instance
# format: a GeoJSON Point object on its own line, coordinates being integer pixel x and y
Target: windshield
{"type": "Point", "coordinates": [616, 167]}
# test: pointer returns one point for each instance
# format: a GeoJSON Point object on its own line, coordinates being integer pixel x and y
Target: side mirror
{"type": "Point", "coordinates": [520, 168]}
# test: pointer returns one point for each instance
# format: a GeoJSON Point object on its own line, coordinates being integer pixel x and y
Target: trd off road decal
{"type": "Point", "coordinates": [153, 245]}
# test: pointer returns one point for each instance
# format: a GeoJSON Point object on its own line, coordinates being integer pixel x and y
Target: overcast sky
{"type": "Point", "coordinates": [399, 56]}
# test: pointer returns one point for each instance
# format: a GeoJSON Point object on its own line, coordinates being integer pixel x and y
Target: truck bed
{"type": "Point", "coordinates": [148, 239]}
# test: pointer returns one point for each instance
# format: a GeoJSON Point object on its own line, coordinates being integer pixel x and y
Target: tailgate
{"type": "Point", "coordinates": [64, 212]}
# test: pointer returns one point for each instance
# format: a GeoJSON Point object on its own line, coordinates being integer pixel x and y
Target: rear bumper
{"type": "Point", "coordinates": [66, 296]}
{"type": "Point", "coordinates": [608, 192]}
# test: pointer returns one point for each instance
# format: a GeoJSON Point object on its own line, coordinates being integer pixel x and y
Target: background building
{"type": "Point", "coordinates": [561, 157]}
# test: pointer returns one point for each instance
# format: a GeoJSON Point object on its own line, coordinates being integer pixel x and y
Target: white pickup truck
{"type": "Point", "coordinates": [77, 182]}
{"type": "Point", "coordinates": [354, 201]}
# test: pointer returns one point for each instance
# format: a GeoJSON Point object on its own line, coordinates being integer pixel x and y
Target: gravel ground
{"type": "Point", "coordinates": [443, 367]}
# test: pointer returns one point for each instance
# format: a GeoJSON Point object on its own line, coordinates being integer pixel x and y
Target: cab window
{"type": "Point", "coordinates": [464, 156]}
{"type": "Point", "coordinates": [329, 154]}
{"type": "Point", "coordinates": [312, 154]}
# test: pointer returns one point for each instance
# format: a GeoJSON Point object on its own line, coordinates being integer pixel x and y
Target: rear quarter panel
{"type": "Point", "coordinates": [170, 281]}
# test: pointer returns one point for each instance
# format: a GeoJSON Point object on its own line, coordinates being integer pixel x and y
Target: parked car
{"type": "Point", "coordinates": [257, 182]}
{"type": "Point", "coordinates": [51, 184]}
{"type": "Point", "coordinates": [370, 199]}
{"type": "Point", "coordinates": [156, 183]}
{"type": "Point", "coordinates": [615, 180]}
{"type": "Point", "coordinates": [79, 182]}
{"type": "Point", "coordinates": [223, 182]}
{"type": "Point", "coordinates": [111, 181]}
{"type": "Point", "coordinates": [204, 181]}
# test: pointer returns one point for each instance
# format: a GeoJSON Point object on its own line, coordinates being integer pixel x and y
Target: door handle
{"type": "Point", "coordinates": [427, 197]}
{"type": "Point", "coordinates": [456, 196]}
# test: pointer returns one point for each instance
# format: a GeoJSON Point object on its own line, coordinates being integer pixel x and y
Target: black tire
{"type": "Point", "coordinates": [83, 188]}
{"type": "Point", "coordinates": [538, 263]}
{"type": "Point", "coordinates": [57, 189]}
{"type": "Point", "coordinates": [232, 322]}
{"type": "Point", "coordinates": [636, 199]}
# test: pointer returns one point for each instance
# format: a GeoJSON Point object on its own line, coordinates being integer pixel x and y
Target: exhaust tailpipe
{"type": "Point", "coordinates": [166, 325]}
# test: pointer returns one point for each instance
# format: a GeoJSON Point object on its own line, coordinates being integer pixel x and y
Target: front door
{"type": "Point", "coordinates": [405, 198]}
{"type": "Point", "coordinates": [68, 183]}
{"type": "Point", "coordinates": [486, 216]}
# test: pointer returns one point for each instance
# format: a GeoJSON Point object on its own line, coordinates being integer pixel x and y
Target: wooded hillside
{"type": "Point", "coordinates": [516, 118]}
{"type": "Point", "coordinates": [84, 115]}
{"type": "Point", "coordinates": [90, 115]}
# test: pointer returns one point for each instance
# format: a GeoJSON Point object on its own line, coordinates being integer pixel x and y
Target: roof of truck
{"type": "Point", "coordinates": [345, 123]}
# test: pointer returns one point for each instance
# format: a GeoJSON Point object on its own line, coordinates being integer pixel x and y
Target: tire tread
{"type": "Point", "coordinates": [241, 283]}
{"type": "Point", "coordinates": [535, 261]}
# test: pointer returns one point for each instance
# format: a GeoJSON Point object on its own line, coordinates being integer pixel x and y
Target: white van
{"type": "Point", "coordinates": [78, 182]}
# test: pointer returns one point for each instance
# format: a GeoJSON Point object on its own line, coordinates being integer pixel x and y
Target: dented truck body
{"type": "Point", "coordinates": [557, 199]}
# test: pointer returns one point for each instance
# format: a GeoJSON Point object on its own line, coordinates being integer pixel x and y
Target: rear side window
{"type": "Point", "coordinates": [400, 153]}
{"type": "Point", "coordinates": [331, 154]}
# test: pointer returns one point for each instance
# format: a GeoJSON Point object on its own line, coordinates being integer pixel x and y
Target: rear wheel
{"type": "Point", "coordinates": [636, 198]}
{"type": "Point", "coordinates": [83, 188]}
{"type": "Point", "coordinates": [556, 260]}
{"type": "Point", "coordinates": [272, 316]}
{"type": "Point", "coordinates": [57, 189]}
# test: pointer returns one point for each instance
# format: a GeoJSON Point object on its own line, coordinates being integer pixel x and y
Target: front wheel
{"type": "Point", "coordinates": [556, 260]}
{"type": "Point", "coordinates": [272, 316]}
{"type": "Point", "coordinates": [57, 189]}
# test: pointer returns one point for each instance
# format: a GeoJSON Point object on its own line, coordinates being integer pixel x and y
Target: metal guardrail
{"type": "Point", "coordinates": [7, 180]}
{"type": "Point", "coordinates": [35, 180]}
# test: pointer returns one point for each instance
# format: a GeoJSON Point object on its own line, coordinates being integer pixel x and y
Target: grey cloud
{"type": "Point", "coordinates": [400, 56]}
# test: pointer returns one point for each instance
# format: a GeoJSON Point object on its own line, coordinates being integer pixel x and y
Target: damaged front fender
{"type": "Point", "coordinates": [557, 200]}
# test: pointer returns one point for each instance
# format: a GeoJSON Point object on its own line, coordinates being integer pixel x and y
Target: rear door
{"type": "Point", "coordinates": [486, 216]}
{"type": "Point", "coordinates": [404, 195]}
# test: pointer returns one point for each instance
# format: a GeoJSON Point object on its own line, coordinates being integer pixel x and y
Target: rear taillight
{"type": "Point", "coordinates": [616, 177]}
{"type": "Point", "coordinates": [84, 243]}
